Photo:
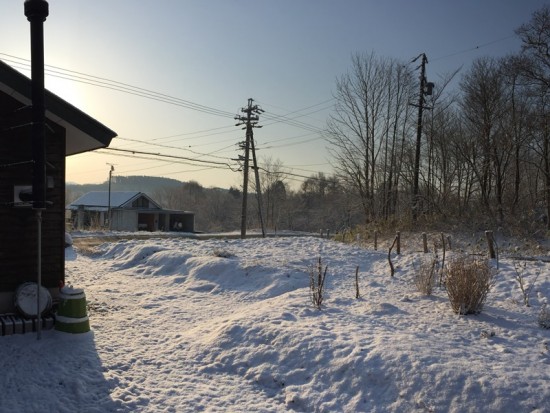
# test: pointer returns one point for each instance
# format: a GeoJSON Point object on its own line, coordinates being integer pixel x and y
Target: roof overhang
{"type": "Point", "coordinates": [83, 133]}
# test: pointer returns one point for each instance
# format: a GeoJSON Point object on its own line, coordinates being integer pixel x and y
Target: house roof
{"type": "Point", "coordinates": [99, 200]}
{"type": "Point", "coordinates": [83, 133]}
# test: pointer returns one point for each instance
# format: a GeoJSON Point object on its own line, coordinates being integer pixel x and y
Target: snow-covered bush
{"type": "Point", "coordinates": [468, 283]}
{"type": "Point", "coordinates": [222, 253]}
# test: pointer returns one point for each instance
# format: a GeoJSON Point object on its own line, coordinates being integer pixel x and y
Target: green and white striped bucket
{"type": "Point", "coordinates": [71, 316]}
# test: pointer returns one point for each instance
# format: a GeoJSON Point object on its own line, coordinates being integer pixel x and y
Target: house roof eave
{"type": "Point", "coordinates": [83, 133]}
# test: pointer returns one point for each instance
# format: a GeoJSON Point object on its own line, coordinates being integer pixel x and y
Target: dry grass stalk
{"type": "Point", "coordinates": [525, 287]}
{"type": "Point", "coordinates": [425, 276]}
{"type": "Point", "coordinates": [357, 295]}
{"type": "Point", "coordinates": [317, 283]}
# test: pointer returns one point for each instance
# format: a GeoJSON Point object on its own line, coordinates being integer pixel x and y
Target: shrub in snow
{"type": "Point", "coordinates": [544, 316]}
{"type": "Point", "coordinates": [222, 253]}
{"type": "Point", "coordinates": [425, 275]}
{"type": "Point", "coordinates": [317, 283]}
{"type": "Point", "coordinates": [468, 283]}
{"type": "Point", "coordinates": [525, 287]}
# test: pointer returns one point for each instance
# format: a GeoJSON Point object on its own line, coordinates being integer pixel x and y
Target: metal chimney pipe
{"type": "Point", "coordinates": [36, 12]}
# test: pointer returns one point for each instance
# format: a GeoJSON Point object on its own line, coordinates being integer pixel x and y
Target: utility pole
{"type": "Point", "coordinates": [250, 120]}
{"type": "Point", "coordinates": [258, 187]}
{"type": "Point", "coordinates": [425, 89]}
{"type": "Point", "coordinates": [109, 196]}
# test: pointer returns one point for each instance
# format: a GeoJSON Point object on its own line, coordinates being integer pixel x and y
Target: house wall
{"type": "Point", "coordinates": [132, 218]}
{"type": "Point", "coordinates": [18, 225]}
{"type": "Point", "coordinates": [124, 220]}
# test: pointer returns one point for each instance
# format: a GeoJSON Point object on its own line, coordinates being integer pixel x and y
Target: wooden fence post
{"type": "Point", "coordinates": [490, 244]}
{"type": "Point", "coordinates": [398, 244]}
{"type": "Point", "coordinates": [425, 242]}
{"type": "Point", "coordinates": [392, 268]}
{"type": "Point", "coordinates": [375, 239]}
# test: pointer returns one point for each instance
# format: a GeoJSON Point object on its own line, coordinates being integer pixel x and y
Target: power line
{"type": "Point", "coordinates": [290, 138]}
{"type": "Point", "coordinates": [100, 151]}
{"type": "Point", "coordinates": [298, 110]}
{"type": "Point", "coordinates": [285, 145]}
{"type": "Point", "coordinates": [276, 118]}
{"type": "Point", "coordinates": [311, 164]}
{"type": "Point", "coordinates": [182, 160]}
{"type": "Point", "coordinates": [81, 77]}
{"type": "Point", "coordinates": [194, 133]}
{"type": "Point", "coordinates": [168, 147]}
{"type": "Point", "coordinates": [473, 48]}
{"type": "Point", "coordinates": [201, 154]}
{"type": "Point", "coordinates": [293, 174]}
{"type": "Point", "coordinates": [168, 173]}
{"type": "Point", "coordinates": [160, 155]}
{"type": "Point", "coordinates": [230, 127]}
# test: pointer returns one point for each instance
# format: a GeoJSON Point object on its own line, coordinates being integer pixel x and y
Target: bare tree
{"type": "Point", "coordinates": [367, 128]}
{"type": "Point", "coordinates": [534, 67]}
{"type": "Point", "coordinates": [274, 189]}
{"type": "Point", "coordinates": [518, 125]}
{"type": "Point", "coordinates": [484, 106]}
{"type": "Point", "coordinates": [535, 37]}
{"type": "Point", "coordinates": [440, 130]}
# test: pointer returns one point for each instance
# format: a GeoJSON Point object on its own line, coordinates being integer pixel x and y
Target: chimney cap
{"type": "Point", "coordinates": [36, 9]}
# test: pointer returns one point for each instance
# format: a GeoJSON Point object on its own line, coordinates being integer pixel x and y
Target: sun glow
{"type": "Point", "coordinates": [67, 90]}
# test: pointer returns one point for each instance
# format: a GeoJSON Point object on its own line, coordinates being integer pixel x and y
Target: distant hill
{"type": "Point", "coordinates": [146, 184]}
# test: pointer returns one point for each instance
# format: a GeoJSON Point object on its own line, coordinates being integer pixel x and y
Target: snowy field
{"type": "Point", "coordinates": [186, 325]}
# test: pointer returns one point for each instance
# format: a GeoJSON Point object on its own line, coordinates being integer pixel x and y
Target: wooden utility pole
{"type": "Point", "coordinates": [109, 212]}
{"type": "Point", "coordinates": [425, 89]}
{"type": "Point", "coordinates": [258, 187]}
{"type": "Point", "coordinates": [250, 120]}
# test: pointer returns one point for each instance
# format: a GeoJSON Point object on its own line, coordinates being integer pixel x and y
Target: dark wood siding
{"type": "Point", "coordinates": [18, 225]}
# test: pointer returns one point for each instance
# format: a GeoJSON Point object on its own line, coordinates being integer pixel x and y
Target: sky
{"type": "Point", "coordinates": [169, 76]}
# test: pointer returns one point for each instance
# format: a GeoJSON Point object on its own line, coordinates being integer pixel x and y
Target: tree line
{"type": "Point", "coordinates": [484, 151]}
{"type": "Point", "coordinates": [320, 203]}
{"type": "Point", "coordinates": [485, 147]}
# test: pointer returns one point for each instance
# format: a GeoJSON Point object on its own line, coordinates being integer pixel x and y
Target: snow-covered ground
{"type": "Point", "coordinates": [186, 325]}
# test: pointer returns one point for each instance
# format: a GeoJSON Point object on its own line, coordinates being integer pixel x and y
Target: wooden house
{"type": "Point", "coordinates": [68, 131]}
{"type": "Point", "coordinates": [129, 211]}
